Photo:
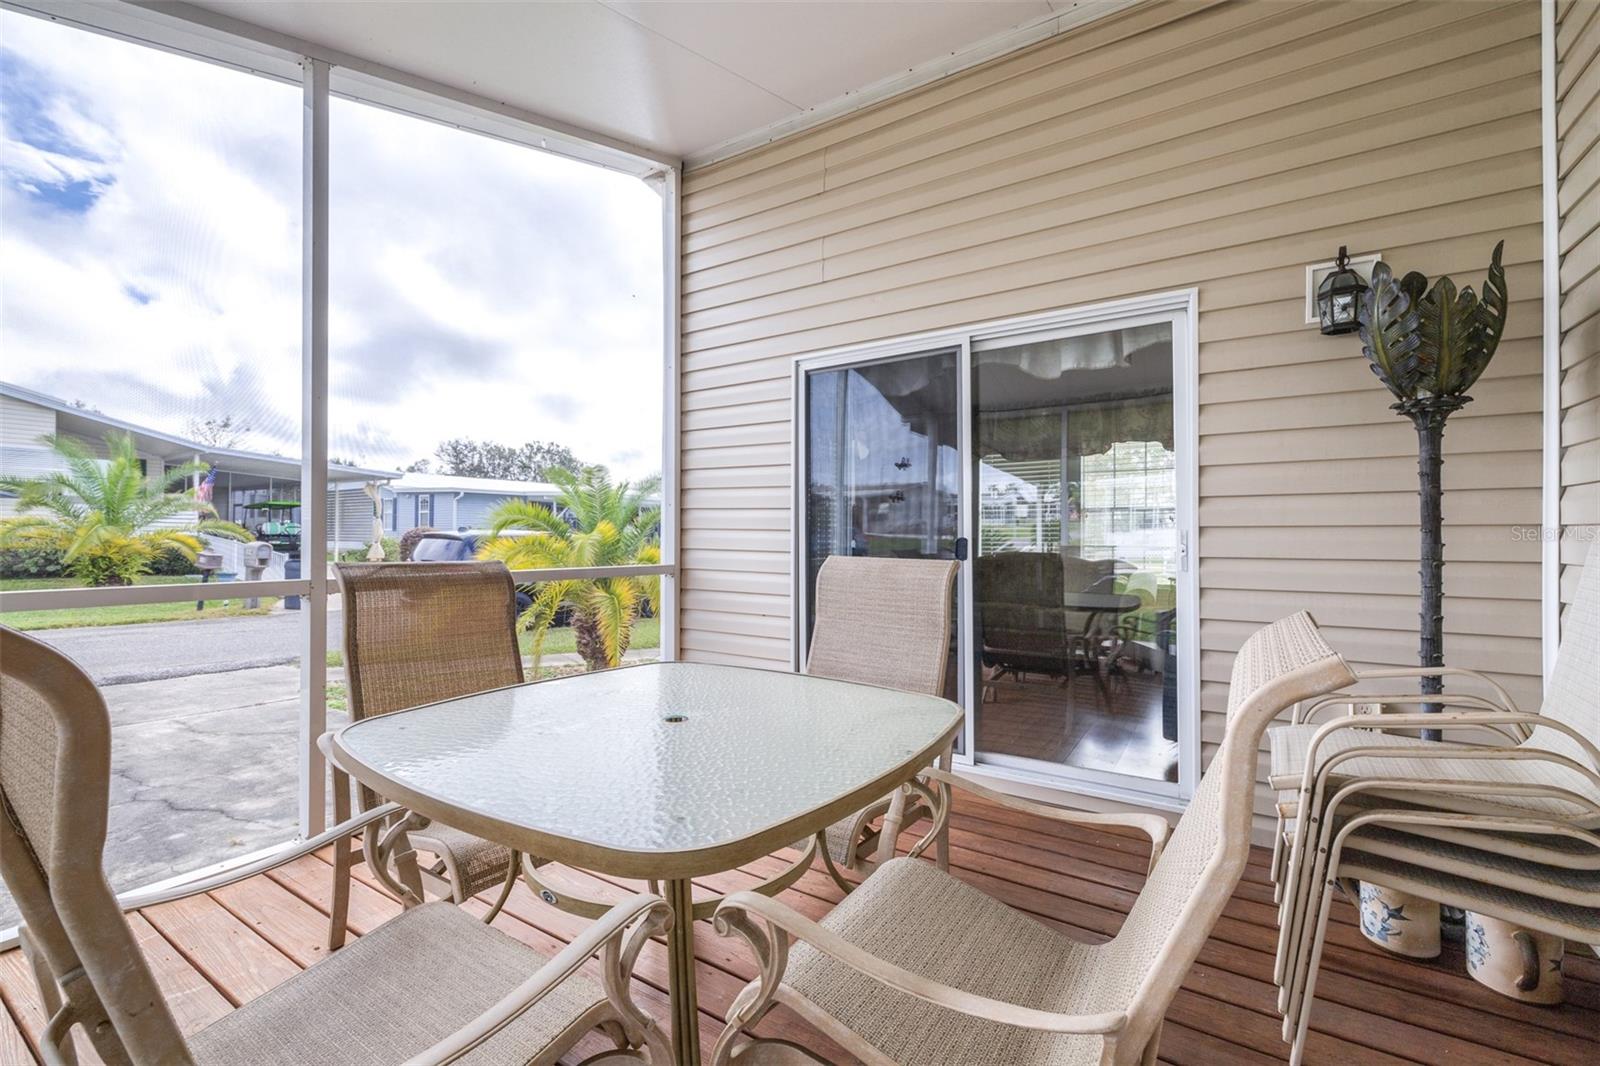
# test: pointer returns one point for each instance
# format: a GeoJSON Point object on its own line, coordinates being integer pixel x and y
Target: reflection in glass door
{"type": "Point", "coordinates": [881, 465]}
{"type": "Point", "coordinates": [1077, 554]}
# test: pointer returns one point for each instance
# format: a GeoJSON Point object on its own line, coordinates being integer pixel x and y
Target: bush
{"type": "Point", "coordinates": [391, 552]}
{"type": "Point", "coordinates": [172, 564]}
{"type": "Point", "coordinates": [31, 562]}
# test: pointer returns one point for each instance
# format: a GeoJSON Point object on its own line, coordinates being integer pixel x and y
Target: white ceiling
{"type": "Point", "coordinates": [680, 77]}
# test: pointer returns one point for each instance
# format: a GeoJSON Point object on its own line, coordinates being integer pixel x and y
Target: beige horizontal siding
{"type": "Point", "coordinates": [1578, 124]}
{"type": "Point", "coordinates": [1218, 145]}
{"type": "Point", "coordinates": [23, 423]}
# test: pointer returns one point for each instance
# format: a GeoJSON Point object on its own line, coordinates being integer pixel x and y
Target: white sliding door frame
{"type": "Point", "coordinates": [1181, 308]}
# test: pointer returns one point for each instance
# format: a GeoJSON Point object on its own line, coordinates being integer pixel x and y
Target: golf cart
{"type": "Point", "coordinates": [278, 527]}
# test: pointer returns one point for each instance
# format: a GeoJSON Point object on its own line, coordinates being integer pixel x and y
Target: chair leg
{"type": "Point", "coordinates": [1152, 1048]}
{"type": "Point", "coordinates": [1277, 861]}
{"type": "Point", "coordinates": [941, 846]}
{"type": "Point", "coordinates": [1302, 1021]}
{"type": "Point", "coordinates": [839, 879]}
{"type": "Point", "coordinates": [1294, 879]}
{"type": "Point", "coordinates": [512, 870]}
{"type": "Point", "coordinates": [49, 994]}
{"type": "Point", "coordinates": [1307, 934]}
{"type": "Point", "coordinates": [339, 909]}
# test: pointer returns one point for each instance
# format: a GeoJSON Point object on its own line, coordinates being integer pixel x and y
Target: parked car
{"type": "Point", "coordinates": [444, 547]}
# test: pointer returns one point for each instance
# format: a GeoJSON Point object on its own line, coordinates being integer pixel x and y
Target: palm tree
{"type": "Point", "coordinates": [103, 514]}
{"type": "Point", "coordinates": [595, 523]}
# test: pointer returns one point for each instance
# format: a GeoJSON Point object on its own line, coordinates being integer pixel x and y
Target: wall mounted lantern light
{"type": "Point", "coordinates": [1339, 297]}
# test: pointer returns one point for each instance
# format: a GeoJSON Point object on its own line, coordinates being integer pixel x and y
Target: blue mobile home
{"type": "Point", "coordinates": [444, 501]}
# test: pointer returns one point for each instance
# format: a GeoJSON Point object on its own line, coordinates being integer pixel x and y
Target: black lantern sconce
{"type": "Point", "coordinates": [1339, 297]}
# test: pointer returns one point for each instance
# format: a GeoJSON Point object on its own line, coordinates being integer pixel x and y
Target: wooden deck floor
{"type": "Point", "coordinates": [214, 952]}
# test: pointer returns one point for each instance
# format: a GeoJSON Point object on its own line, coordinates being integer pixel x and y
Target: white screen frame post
{"type": "Point", "coordinates": [314, 451]}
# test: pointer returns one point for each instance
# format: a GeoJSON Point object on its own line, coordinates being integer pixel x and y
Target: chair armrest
{"type": "Point", "coordinates": [1469, 719]}
{"type": "Point", "coordinates": [1390, 672]}
{"type": "Point", "coordinates": [1153, 826]}
{"type": "Point", "coordinates": [731, 917]}
{"type": "Point", "coordinates": [150, 897]}
{"type": "Point", "coordinates": [653, 916]}
{"type": "Point", "coordinates": [1307, 712]}
{"type": "Point", "coordinates": [1476, 786]}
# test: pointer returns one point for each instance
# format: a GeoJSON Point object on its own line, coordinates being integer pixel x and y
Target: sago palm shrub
{"type": "Point", "coordinates": [611, 524]}
{"type": "Point", "coordinates": [102, 515]}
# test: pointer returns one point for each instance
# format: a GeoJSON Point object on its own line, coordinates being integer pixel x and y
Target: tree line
{"type": "Point", "coordinates": [533, 461]}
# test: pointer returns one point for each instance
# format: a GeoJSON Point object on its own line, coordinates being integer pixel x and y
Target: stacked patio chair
{"type": "Point", "coordinates": [417, 633]}
{"type": "Point", "coordinates": [883, 622]}
{"type": "Point", "coordinates": [432, 985]}
{"type": "Point", "coordinates": [994, 985]}
{"type": "Point", "coordinates": [1504, 822]}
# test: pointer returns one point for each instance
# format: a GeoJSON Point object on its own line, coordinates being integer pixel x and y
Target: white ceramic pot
{"type": "Point", "coordinates": [1513, 961]}
{"type": "Point", "coordinates": [1405, 925]}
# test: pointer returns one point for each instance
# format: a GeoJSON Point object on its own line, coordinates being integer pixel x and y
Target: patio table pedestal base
{"type": "Point", "coordinates": [680, 976]}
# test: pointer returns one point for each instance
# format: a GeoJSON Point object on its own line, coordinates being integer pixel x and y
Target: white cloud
{"type": "Point", "coordinates": [479, 289]}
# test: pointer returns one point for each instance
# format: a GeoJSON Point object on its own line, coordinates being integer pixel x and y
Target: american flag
{"type": "Point", "coordinates": [202, 491]}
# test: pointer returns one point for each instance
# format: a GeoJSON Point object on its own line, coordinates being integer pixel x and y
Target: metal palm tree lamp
{"type": "Point", "coordinates": [1428, 345]}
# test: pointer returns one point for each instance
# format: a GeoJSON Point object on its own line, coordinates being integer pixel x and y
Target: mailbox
{"type": "Point", "coordinates": [256, 557]}
{"type": "Point", "coordinates": [208, 563]}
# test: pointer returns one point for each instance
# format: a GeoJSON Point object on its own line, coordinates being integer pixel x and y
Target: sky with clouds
{"type": "Point", "coordinates": [150, 264]}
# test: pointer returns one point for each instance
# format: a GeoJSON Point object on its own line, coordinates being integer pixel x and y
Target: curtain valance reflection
{"type": "Point", "coordinates": [1091, 430]}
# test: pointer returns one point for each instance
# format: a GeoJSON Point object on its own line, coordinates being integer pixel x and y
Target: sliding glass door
{"type": "Point", "coordinates": [882, 466]}
{"type": "Point", "coordinates": [1054, 456]}
{"type": "Point", "coordinates": [1076, 568]}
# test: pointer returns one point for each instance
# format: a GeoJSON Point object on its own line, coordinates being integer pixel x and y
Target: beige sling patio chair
{"type": "Point", "coordinates": [994, 985]}
{"type": "Point", "coordinates": [883, 622]}
{"type": "Point", "coordinates": [1554, 749]}
{"type": "Point", "coordinates": [1509, 830]}
{"type": "Point", "coordinates": [1552, 772]}
{"type": "Point", "coordinates": [432, 985]}
{"type": "Point", "coordinates": [1288, 743]}
{"type": "Point", "coordinates": [416, 633]}
{"type": "Point", "coordinates": [1389, 847]}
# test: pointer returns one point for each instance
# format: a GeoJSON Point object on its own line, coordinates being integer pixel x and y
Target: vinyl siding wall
{"type": "Point", "coordinates": [24, 454]}
{"type": "Point", "coordinates": [1218, 145]}
{"type": "Point", "coordinates": [1578, 167]}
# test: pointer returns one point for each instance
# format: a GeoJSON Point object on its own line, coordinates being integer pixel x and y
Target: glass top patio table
{"type": "Point", "coordinates": [662, 770]}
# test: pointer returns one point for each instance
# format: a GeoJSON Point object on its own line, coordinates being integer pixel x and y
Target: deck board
{"type": "Point", "coordinates": [213, 951]}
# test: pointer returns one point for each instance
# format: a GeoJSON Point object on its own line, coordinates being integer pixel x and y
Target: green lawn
{"type": "Point", "coordinates": [646, 634]}
{"type": "Point", "coordinates": [73, 617]}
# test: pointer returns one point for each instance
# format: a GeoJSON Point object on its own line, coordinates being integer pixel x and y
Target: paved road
{"type": "Point", "coordinates": [120, 655]}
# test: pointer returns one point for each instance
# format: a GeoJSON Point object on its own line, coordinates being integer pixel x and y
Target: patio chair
{"type": "Point", "coordinates": [1506, 830]}
{"type": "Point", "coordinates": [417, 633]}
{"type": "Point", "coordinates": [432, 985]}
{"type": "Point", "coordinates": [882, 622]}
{"type": "Point", "coordinates": [1548, 769]}
{"type": "Point", "coordinates": [995, 985]}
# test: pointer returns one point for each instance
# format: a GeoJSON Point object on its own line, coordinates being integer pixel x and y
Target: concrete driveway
{"type": "Point", "coordinates": [204, 723]}
{"type": "Point", "coordinates": [202, 770]}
